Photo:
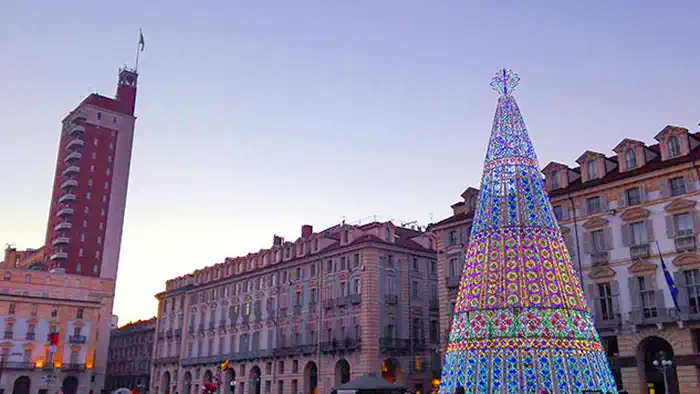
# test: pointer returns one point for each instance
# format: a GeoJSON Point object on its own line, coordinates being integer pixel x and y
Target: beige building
{"type": "Point", "coordinates": [620, 215]}
{"type": "Point", "coordinates": [305, 316]}
{"type": "Point", "coordinates": [34, 304]}
{"type": "Point", "coordinates": [452, 235]}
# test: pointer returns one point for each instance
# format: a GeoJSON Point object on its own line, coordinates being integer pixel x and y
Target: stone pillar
{"type": "Point", "coordinates": [370, 319]}
{"type": "Point", "coordinates": [688, 379]}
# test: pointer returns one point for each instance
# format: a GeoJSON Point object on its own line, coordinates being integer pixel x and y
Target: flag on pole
{"type": "Point", "coordinates": [669, 279]}
{"type": "Point", "coordinates": [141, 42]}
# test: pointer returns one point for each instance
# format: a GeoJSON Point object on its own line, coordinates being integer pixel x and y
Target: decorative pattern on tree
{"type": "Point", "coordinates": [521, 321]}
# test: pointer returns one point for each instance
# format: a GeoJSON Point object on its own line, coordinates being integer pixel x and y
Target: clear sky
{"type": "Point", "coordinates": [257, 117]}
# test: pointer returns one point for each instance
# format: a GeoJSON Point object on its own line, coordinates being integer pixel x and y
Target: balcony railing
{"type": "Point", "coordinates": [355, 299]}
{"type": "Point", "coordinates": [75, 143]}
{"type": "Point", "coordinates": [598, 258]}
{"type": "Point", "coordinates": [391, 299]}
{"type": "Point", "coordinates": [60, 241]}
{"type": "Point", "coordinates": [63, 226]}
{"type": "Point", "coordinates": [73, 156]}
{"type": "Point", "coordinates": [17, 365]}
{"type": "Point", "coordinates": [77, 339]}
{"type": "Point", "coordinates": [67, 197]}
{"type": "Point", "coordinates": [639, 251]}
{"type": "Point", "coordinates": [685, 243]}
{"type": "Point", "coordinates": [71, 170]}
{"type": "Point", "coordinates": [651, 316]}
{"type": "Point", "coordinates": [59, 255]}
{"type": "Point", "coordinates": [69, 183]}
{"type": "Point", "coordinates": [74, 367]}
{"type": "Point", "coordinates": [453, 281]}
{"type": "Point", "coordinates": [65, 212]}
{"type": "Point", "coordinates": [608, 321]}
{"type": "Point", "coordinates": [393, 343]}
{"type": "Point", "coordinates": [31, 336]}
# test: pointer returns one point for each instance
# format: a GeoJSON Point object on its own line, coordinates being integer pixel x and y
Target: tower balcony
{"type": "Point", "coordinates": [59, 256]}
{"type": "Point", "coordinates": [73, 156]}
{"type": "Point", "coordinates": [69, 183]}
{"type": "Point", "coordinates": [60, 241]}
{"type": "Point", "coordinates": [76, 131]}
{"type": "Point", "coordinates": [75, 143]}
{"type": "Point", "coordinates": [63, 226]}
{"type": "Point", "coordinates": [67, 197]}
{"type": "Point", "coordinates": [65, 212]}
{"type": "Point", "coordinates": [71, 170]}
{"type": "Point", "coordinates": [78, 118]}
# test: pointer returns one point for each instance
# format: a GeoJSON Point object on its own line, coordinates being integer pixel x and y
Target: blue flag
{"type": "Point", "coordinates": [669, 279]}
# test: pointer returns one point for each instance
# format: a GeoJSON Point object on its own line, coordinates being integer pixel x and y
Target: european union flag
{"type": "Point", "coordinates": [669, 279]}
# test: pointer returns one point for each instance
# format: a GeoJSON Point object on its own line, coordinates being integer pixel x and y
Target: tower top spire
{"type": "Point", "coordinates": [505, 81]}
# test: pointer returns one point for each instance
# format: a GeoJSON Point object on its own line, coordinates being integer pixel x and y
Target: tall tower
{"type": "Point", "coordinates": [86, 214]}
{"type": "Point", "coordinates": [521, 321]}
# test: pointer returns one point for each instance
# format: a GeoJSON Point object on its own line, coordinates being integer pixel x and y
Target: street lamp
{"type": "Point", "coordinates": [663, 365]}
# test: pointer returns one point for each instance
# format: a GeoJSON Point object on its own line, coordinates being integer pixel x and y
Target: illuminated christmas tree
{"type": "Point", "coordinates": [521, 322]}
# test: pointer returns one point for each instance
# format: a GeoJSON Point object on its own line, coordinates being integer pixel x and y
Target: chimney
{"type": "Point", "coordinates": [306, 231]}
{"type": "Point", "coordinates": [277, 240]}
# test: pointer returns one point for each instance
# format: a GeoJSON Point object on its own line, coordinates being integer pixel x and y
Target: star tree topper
{"type": "Point", "coordinates": [505, 81]}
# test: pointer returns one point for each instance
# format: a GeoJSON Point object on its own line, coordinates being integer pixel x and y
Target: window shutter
{"type": "Point", "coordinates": [682, 286]}
{"type": "Point", "coordinates": [603, 203]}
{"type": "Point", "coordinates": [670, 227]}
{"type": "Point", "coordinates": [635, 294]}
{"type": "Point", "coordinates": [615, 293]}
{"type": "Point", "coordinates": [689, 185]}
{"type": "Point", "coordinates": [571, 245]}
{"type": "Point", "coordinates": [650, 231]}
{"type": "Point", "coordinates": [696, 220]}
{"type": "Point", "coordinates": [565, 212]}
{"type": "Point", "coordinates": [626, 235]}
{"type": "Point", "coordinates": [660, 302]}
{"type": "Point", "coordinates": [621, 200]}
{"type": "Point", "coordinates": [642, 194]}
{"type": "Point", "coordinates": [665, 189]}
{"type": "Point", "coordinates": [609, 245]}
{"type": "Point", "coordinates": [583, 207]}
{"type": "Point", "coordinates": [587, 242]}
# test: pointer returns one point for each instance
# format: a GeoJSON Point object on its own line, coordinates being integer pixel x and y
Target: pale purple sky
{"type": "Point", "coordinates": [258, 117]}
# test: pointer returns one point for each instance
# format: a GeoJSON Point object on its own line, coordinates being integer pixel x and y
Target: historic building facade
{"type": "Point", "coordinates": [620, 215]}
{"type": "Point", "coordinates": [130, 352]}
{"type": "Point", "coordinates": [54, 329]}
{"type": "Point", "coordinates": [306, 315]}
{"type": "Point", "coordinates": [452, 235]}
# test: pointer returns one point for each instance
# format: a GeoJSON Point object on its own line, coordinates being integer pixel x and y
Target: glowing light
{"type": "Point", "coordinates": [521, 321]}
{"type": "Point", "coordinates": [39, 363]}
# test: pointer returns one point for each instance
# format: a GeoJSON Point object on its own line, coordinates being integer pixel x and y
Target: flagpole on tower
{"type": "Point", "coordinates": [139, 49]}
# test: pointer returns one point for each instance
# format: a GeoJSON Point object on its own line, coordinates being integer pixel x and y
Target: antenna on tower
{"type": "Point", "coordinates": [431, 217]}
{"type": "Point", "coordinates": [9, 245]}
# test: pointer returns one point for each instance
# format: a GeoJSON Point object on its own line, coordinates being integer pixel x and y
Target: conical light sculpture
{"type": "Point", "coordinates": [521, 322]}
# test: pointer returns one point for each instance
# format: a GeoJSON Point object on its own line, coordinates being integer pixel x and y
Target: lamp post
{"type": "Point", "coordinates": [663, 365]}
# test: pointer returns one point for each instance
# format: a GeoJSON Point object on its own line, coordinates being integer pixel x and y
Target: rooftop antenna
{"type": "Point", "coordinates": [343, 221]}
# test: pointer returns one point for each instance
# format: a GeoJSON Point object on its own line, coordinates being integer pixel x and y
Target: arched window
{"type": "Point", "coordinates": [555, 180]}
{"type": "Point", "coordinates": [674, 146]}
{"type": "Point", "coordinates": [631, 159]}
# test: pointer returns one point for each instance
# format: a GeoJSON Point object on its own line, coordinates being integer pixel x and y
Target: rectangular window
{"type": "Point", "coordinates": [606, 301]}
{"type": "Point", "coordinates": [692, 280]}
{"type": "Point", "coordinates": [638, 233]}
{"type": "Point", "coordinates": [356, 260]}
{"type": "Point", "coordinates": [312, 270]}
{"type": "Point", "coordinates": [415, 290]}
{"type": "Point", "coordinates": [677, 186]}
{"type": "Point", "coordinates": [415, 264]}
{"type": "Point", "coordinates": [79, 313]}
{"type": "Point", "coordinates": [598, 238]}
{"type": "Point", "coordinates": [452, 238]}
{"type": "Point", "coordinates": [558, 212]}
{"type": "Point", "coordinates": [648, 297]}
{"type": "Point", "coordinates": [455, 268]}
{"type": "Point", "coordinates": [13, 307]}
{"type": "Point", "coordinates": [593, 204]}
{"type": "Point", "coordinates": [633, 196]}
{"type": "Point", "coordinates": [684, 224]}
{"type": "Point", "coordinates": [356, 286]}
{"type": "Point", "coordinates": [390, 261]}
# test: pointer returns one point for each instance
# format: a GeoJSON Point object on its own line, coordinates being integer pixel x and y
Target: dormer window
{"type": "Point", "coordinates": [555, 180]}
{"type": "Point", "coordinates": [630, 159]}
{"type": "Point", "coordinates": [592, 170]}
{"type": "Point", "coordinates": [674, 146]}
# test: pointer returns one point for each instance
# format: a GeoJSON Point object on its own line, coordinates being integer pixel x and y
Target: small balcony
{"type": "Point", "coordinates": [71, 170]}
{"type": "Point", "coordinates": [653, 316]}
{"type": "Point", "coordinates": [18, 365]}
{"type": "Point", "coordinates": [72, 157]}
{"type": "Point", "coordinates": [63, 226]}
{"type": "Point", "coordinates": [8, 335]}
{"type": "Point", "coordinates": [77, 339]}
{"type": "Point", "coordinates": [73, 367]}
{"type": "Point", "coordinates": [65, 212]}
{"type": "Point", "coordinates": [78, 118]}
{"type": "Point", "coordinates": [31, 336]}
{"type": "Point", "coordinates": [391, 299]}
{"type": "Point", "coordinates": [608, 321]}
{"type": "Point", "coordinates": [392, 343]}
{"type": "Point", "coordinates": [685, 243]}
{"type": "Point", "coordinates": [59, 256]}
{"type": "Point", "coordinates": [599, 258]}
{"type": "Point", "coordinates": [452, 281]}
{"type": "Point", "coordinates": [355, 299]}
{"type": "Point", "coordinates": [60, 241]}
{"type": "Point", "coordinates": [639, 251]}
{"type": "Point", "coordinates": [75, 143]}
{"type": "Point", "coordinates": [69, 183]}
{"type": "Point", "coordinates": [66, 197]}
